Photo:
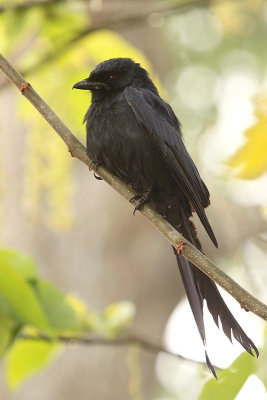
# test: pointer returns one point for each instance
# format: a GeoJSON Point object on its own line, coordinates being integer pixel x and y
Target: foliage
{"type": "Point", "coordinates": [48, 168]}
{"type": "Point", "coordinates": [250, 161]}
{"type": "Point", "coordinates": [232, 379]}
{"type": "Point", "coordinates": [30, 306]}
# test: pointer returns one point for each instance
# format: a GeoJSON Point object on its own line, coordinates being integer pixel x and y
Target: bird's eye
{"type": "Point", "coordinates": [112, 78]}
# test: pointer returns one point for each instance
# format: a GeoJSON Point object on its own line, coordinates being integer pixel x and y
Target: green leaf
{"type": "Point", "coordinates": [15, 21]}
{"type": "Point", "coordinates": [21, 297]}
{"type": "Point", "coordinates": [6, 325]}
{"type": "Point", "coordinates": [17, 27]}
{"type": "Point", "coordinates": [19, 261]}
{"type": "Point", "coordinates": [261, 362]}
{"type": "Point", "coordinates": [5, 336]}
{"type": "Point", "coordinates": [59, 314]}
{"type": "Point", "coordinates": [54, 28]}
{"type": "Point", "coordinates": [26, 358]}
{"type": "Point", "coordinates": [230, 380]}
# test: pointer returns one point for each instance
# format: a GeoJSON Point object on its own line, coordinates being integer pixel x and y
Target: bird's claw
{"type": "Point", "coordinates": [97, 177]}
{"type": "Point", "coordinates": [97, 164]}
{"type": "Point", "coordinates": [142, 199]}
{"type": "Point", "coordinates": [138, 205]}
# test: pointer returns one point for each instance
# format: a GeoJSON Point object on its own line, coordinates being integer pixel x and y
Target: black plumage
{"type": "Point", "coordinates": [133, 133]}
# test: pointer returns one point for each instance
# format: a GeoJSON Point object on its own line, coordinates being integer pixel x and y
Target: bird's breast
{"type": "Point", "coordinates": [116, 140]}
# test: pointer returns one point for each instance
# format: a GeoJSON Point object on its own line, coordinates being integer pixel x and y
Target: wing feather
{"type": "Point", "coordinates": [163, 129]}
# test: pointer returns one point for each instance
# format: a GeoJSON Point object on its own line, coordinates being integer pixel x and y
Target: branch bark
{"type": "Point", "coordinates": [245, 299]}
{"type": "Point", "coordinates": [129, 340]}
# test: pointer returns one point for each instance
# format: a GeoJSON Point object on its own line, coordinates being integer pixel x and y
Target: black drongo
{"type": "Point", "coordinates": [134, 134]}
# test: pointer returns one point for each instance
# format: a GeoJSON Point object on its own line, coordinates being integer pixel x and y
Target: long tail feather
{"type": "Point", "coordinates": [198, 287]}
{"type": "Point", "coordinates": [195, 300]}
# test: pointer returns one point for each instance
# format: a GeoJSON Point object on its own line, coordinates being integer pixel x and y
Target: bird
{"type": "Point", "coordinates": [135, 134]}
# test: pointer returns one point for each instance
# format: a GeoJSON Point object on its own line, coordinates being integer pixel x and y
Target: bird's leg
{"type": "Point", "coordinates": [142, 199]}
{"type": "Point", "coordinates": [97, 164]}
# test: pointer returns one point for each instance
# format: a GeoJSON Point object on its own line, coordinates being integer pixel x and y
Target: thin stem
{"type": "Point", "coordinates": [23, 6]}
{"type": "Point", "coordinates": [129, 340]}
{"type": "Point", "coordinates": [118, 22]}
{"type": "Point", "coordinates": [245, 299]}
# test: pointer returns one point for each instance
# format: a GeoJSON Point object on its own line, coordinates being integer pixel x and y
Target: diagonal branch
{"type": "Point", "coordinates": [245, 299]}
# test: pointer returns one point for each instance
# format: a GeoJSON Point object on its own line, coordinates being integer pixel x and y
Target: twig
{"type": "Point", "coordinates": [246, 300]}
{"type": "Point", "coordinates": [129, 340]}
{"type": "Point", "coordinates": [118, 22]}
{"type": "Point", "coordinates": [23, 6]}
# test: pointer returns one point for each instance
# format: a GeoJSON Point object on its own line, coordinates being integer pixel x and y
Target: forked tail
{"type": "Point", "coordinates": [198, 287]}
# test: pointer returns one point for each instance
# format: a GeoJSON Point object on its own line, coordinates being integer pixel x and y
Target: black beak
{"type": "Point", "coordinates": [88, 85]}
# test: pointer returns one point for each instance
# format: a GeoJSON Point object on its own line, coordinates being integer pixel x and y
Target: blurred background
{"type": "Point", "coordinates": [209, 61]}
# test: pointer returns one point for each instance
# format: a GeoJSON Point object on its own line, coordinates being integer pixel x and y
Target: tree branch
{"type": "Point", "coordinates": [145, 10]}
{"type": "Point", "coordinates": [121, 21]}
{"type": "Point", "coordinates": [23, 6]}
{"type": "Point", "coordinates": [129, 340]}
{"type": "Point", "coordinates": [246, 300]}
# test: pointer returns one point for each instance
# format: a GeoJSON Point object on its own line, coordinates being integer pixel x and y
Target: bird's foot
{"type": "Point", "coordinates": [180, 247]}
{"type": "Point", "coordinates": [141, 198]}
{"type": "Point", "coordinates": [97, 164]}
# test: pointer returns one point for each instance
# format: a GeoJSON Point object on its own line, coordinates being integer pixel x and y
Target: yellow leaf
{"type": "Point", "coordinates": [250, 161]}
{"type": "Point", "coordinates": [26, 358]}
{"type": "Point", "coordinates": [78, 305]}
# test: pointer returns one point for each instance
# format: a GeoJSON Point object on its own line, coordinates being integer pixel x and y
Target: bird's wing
{"type": "Point", "coordinates": [163, 129]}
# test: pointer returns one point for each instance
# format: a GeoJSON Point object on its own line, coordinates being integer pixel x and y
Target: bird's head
{"type": "Point", "coordinates": [114, 75]}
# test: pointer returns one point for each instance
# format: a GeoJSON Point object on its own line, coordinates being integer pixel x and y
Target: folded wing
{"type": "Point", "coordinates": [163, 129]}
